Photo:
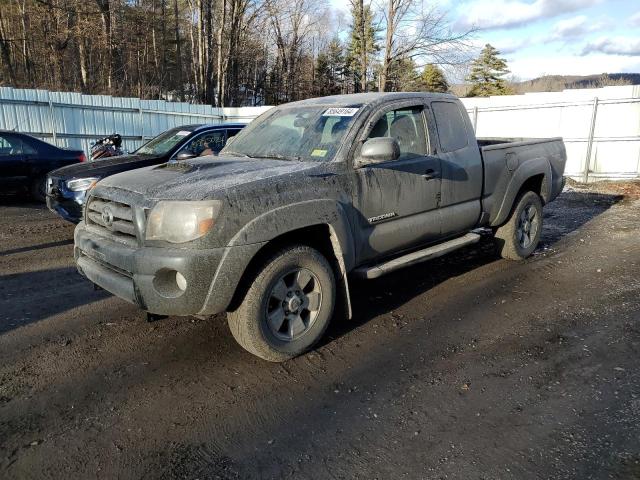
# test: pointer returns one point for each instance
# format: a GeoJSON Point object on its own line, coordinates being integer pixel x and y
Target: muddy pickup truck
{"type": "Point", "coordinates": [310, 195]}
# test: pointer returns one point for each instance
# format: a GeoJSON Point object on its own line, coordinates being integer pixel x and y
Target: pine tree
{"type": "Point", "coordinates": [362, 43]}
{"type": "Point", "coordinates": [330, 70]}
{"type": "Point", "coordinates": [402, 76]}
{"type": "Point", "coordinates": [433, 79]}
{"type": "Point", "coordinates": [487, 72]}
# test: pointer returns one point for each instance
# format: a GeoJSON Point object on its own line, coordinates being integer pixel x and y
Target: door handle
{"type": "Point", "coordinates": [430, 174]}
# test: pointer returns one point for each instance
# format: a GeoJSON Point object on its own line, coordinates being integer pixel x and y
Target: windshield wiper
{"type": "Point", "coordinates": [275, 156]}
{"type": "Point", "coordinates": [236, 154]}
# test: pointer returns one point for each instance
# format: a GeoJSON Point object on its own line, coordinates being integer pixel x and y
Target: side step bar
{"type": "Point", "coordinates": [416, 257]}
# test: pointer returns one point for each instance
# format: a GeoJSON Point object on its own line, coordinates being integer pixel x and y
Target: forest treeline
{"type": "Point", "coordinates": [225, 52]}
{"type": "Point", "coordinates": [246, 52]}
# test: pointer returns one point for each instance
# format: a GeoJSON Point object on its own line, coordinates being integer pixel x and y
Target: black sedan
{"type": "Point", "coordinates": [67, 187]}
{"type": "Point", "coordinates": [25, 162]}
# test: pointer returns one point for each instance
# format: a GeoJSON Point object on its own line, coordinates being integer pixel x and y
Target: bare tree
{"type": "Point", "coordinates": [421, 33]}
{"type": "Point", "coordinates": [291, 22]}
{"type": "Point", "coordinates": [223, 52]}
{"type": "Point", "coordinates": [5, 51]}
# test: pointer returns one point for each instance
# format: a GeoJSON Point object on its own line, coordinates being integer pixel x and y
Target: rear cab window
{"type": "Point", "coordinates": [451, 127]}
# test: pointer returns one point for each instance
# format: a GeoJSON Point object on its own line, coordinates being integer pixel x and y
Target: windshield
{"type": "Point", "coordinates": [164, 142]}
{"type": "Point", "coordinates": [298, 133]}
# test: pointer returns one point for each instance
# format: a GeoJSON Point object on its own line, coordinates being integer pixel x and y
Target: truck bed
{"type": "Point", "coordinates": [505, 158]}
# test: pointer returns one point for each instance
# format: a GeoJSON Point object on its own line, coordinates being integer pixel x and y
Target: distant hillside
{"type": "Point", "coordinates": [557, 83]}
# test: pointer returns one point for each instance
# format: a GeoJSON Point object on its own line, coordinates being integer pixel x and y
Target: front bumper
{"type": "Point", "coordinates": [69, 209]}
{"type": "Point", "coordinates": [64, 202]}
{"type": "Point", "coordinates": [138, 274]}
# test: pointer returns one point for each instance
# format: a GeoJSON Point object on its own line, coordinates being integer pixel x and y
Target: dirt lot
{"type": "Point", "coordinates": [467, 367]}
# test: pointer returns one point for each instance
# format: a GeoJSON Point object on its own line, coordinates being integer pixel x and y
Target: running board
{"type": "Point", "coordinates": [416, 257]}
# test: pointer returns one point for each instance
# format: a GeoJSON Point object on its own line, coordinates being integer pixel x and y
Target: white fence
{"type": "Point", "coordinates": [76, 120]}
{"type": "Point", "coordinates": [600, 127]}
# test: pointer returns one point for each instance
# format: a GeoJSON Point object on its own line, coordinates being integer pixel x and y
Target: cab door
{"type": "Point", "coordinates": [396, 202]}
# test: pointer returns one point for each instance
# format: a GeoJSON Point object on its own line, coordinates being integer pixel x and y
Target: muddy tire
{"type": "Point", "coordinates": [288, 305]}
{"type": "Point", "coordinates": [38, 189]}
{"type": "Point", "coordinates": [519, 236]}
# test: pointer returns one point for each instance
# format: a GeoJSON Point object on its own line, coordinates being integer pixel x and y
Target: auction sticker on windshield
{"type": "Point", "coordinates": [340, 112]}
{"type": "Point", "coordinates": [183, 133]}
{"type": "Point", "coordinates": [318, 153]}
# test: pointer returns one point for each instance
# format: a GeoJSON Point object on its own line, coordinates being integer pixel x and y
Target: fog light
{"type": "Point", "coordinates": [181, 281]}
{"type": "Point", "coordinates": [169, 283]}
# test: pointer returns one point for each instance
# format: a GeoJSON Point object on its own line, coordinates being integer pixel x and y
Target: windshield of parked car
{"type": "Point", "coordinates": [308, 133]}
{"type": "Point", "coordinates": [164, 142]}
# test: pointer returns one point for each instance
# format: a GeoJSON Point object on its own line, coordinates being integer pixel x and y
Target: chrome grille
{"type": "Point", "coordinates": [113, 218]}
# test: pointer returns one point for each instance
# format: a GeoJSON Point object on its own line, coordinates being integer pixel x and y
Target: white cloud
{"type": "Point", "coordinates": [576, 27]}
{"type": "Point", "coordinates": [634, 20]}
{"type": "Point", "coordinates": [510, 45]}
{"type": "Point", "coordinates": [533, 67]}
{"type": "Point", "coordinates": [564, 30]}
{"type": "Point", "coordinates": [614, 46]}
{"type": "Point", "coordinates": [492, 14]}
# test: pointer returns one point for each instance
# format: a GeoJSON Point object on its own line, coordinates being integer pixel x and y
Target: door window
{"type": "Point", "coordinates": [232, 133]}
{"type": "Point", "coordinates": [10, 145]}
{"type": "Point", "coordinates": [209, 143]}
{"type": "Point", "coordinates": [408, 127]}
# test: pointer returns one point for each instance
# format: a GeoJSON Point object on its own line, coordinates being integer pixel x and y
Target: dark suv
{"type": "Point", "coordinates": [67, 187]}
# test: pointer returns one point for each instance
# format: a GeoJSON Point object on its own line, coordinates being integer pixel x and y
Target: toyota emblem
{"type": "Point", "coordinates": [107, 216]}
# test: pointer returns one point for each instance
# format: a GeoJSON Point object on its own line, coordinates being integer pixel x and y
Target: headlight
{"type": "Point", "coordinates": [82, 184]}
{"type": "Point", "coordinates": [179, 222]}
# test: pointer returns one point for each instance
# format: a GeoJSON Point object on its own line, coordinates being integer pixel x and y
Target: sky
{"type": "Point", "coordinates": [552, 37]}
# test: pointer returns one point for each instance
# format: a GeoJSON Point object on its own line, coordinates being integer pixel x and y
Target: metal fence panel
{"type": "Point", "coordinates": [600, 127]}
{"type": "Point", "coordinates": [75, 120]}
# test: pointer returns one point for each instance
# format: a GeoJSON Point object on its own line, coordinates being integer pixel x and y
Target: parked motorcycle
{"type": "Point", "coordinates": [107, 147]}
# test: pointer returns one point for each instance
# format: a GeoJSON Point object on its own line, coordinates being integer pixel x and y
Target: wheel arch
{"type": "Point", "coordinates": [534, 175]}
{"type": "Point", "coordinates": [327, 230]}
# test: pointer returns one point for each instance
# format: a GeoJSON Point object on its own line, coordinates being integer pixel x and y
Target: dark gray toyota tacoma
{"type": "Point", "coordinates": [307, 196]}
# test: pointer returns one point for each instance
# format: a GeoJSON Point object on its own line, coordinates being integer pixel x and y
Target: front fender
{"type": "Point", "coordinates": [257, 233]}
{"type": "Point", "coordinates": [297, 216]}
{"type": "Point", "coordinates": [528, 169]}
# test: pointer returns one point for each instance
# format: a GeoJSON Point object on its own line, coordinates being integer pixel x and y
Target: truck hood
{"type": "Point", "coordinates": [106, 167]}
{"type": "Point", "coordinates": [203, 178]}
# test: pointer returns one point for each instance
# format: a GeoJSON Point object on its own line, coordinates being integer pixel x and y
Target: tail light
{"type": "Point", "coordinates": [82, 157]}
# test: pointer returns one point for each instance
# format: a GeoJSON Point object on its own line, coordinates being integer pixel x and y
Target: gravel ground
{"type": "Point", "coordinates": [467, 367]}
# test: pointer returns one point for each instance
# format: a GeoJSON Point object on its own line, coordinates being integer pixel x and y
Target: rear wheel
{"type": "Point", "coordinates": [288, 306]}
{"type": "Point", "coordinates": [39, 189]}
{"type": "Point", "coordinates": [519, 237]}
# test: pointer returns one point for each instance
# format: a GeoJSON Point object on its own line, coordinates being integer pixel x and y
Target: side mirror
{"type": "Point", "coordinates": [185, 155]}
{"type": "Point", "coordinates": [378, 150]}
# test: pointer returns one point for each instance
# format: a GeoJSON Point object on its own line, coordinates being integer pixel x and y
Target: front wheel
{"type": "Point", "coordinates": [287, 307]}
{"type": "Point", "coordinates": [519, 237]}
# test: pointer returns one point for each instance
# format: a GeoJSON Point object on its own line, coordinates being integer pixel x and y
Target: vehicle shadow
{"type": "Point", "coordinates": [33, 296]}
{"type": "Point", "coordinates": [32, 248]}
{"type": "Point", "coordinates": [570, 211]}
